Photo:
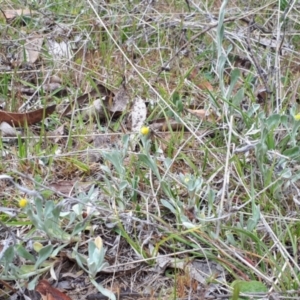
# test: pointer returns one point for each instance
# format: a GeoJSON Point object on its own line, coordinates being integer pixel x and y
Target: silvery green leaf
{"type": "Point", "coordinates": [103, 291]}
{"type": "Point", "coordinates": [58, 249]}
{"type": "Point", "coordinates": [189, 225]}
{"type": "Point", "coordinates": [79, 227]}
{"type": "Point", "coordinates": [22, 252]}
{"type": "Point", "coordinates": [80, 259]}
{"type": "Point", "coordinates": [150, 163]}
{"type": "Point", "coordinates": [234, 77]}
{"type": "Point", "coordinates": [168, 205]}
{"type": "Point", "coordinates": [43, 254]}
{"type": "Point", "coordinates": [49, 208]}
{"type": "Point", "coordinates": [92, 268]}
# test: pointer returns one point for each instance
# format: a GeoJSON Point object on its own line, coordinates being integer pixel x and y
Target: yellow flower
{"type": "Point", "coordinates": [145, 130]}
{"type": "Point", "coordinates": [23, 202]}
{"type": "Point", "coordinates": [186, 179]}
{"type": "Point", "coordinates": [297, 117]}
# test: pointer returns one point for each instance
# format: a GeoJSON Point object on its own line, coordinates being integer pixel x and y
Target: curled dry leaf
{"type": "Point", "coordinates": [55, 79]}
{"type": "Point", "coordinates": [12, 13]}
{"type": "Point", "coordinates": [165, 125]}
{"type": "Point", "coordinates": [51, 87]}
{"type": "Point", "coordinates": [33, 48]}
{"type": "Point", "coordinates": [67, 186]}
{"type": "Point", "coordinates": [29, 118]}
{"type": "Point", "coordinates": [47, 87]}
{"type": "Point", "coordinates": [48, 292]}
{"type": "Point", "coordinates": [199, 81]}
{"type": "Point", "coordinates": [203, 114]}
{"type": "Point", "coordinates": [197, 269]}
{"type": "Point", "coordinates": [60, 51]}
{"type": "Point", "coordinates": [112, 103]}
{"type": "Point", "coordinates": [58, 133]}
{"type": "Point", "coordinates": [120, 101]}
{"type": "Point", "coordinates": [8, 130]}
{"type": "Point", "coordinates": [262, 95]}
{"type": "Point", "coordinates": [83, 99]}
{"type": "Point", "coordinates": [205, 85]}
{"type": "Point", "coordinates": [138, 114]}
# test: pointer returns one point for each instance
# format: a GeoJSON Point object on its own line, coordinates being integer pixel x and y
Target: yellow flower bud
{"type": "Point", "coordinates": [98, 242]}
{"type": "Point", "coordinates": [145, 130]}
{"type": "Point", "coordinates": [297, 117]}
{"type": "Point", "coordinates": [23, 202]}
{"type": "Point", "coordinates": [186, 179]}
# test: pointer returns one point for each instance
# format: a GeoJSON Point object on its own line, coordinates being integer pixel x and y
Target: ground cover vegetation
{"type": "Point", "coordinates": [149, 149]}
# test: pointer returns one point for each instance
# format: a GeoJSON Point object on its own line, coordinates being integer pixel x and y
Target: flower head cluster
{"type": "Point", "coordinates": [145, 130]}
{"type": "Point", "coordinates": [23, 202]}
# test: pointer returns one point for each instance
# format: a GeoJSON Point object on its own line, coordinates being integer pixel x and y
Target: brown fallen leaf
{"type": "Point", "coordinates": [205, 85]}
{"type": "Point", "coordinates": [8, 130]}
{"type": "Point", "coordinates": [48, 292]}
{"type": "Point", "coordinates": [262, 95]}
{"type": "Point", "coordinates": [202, 84]}
{"type": "Point", "coordinates": [203, 114]}
{"type": "Point", "coordinates": [67, 186]}
{"type": "Point", "coordinates": [59, 133]}
{"type": "Point", "coordinates": [113, 104]}
{"type": "Point", "coordinates": [52, 87]}
{"type": "Point", "coordinates": [29, 118]}
{"type": "Point", "coordinates": [85, 97]}
{"type": "Point", "coordinates": [119, 102]}
{"type": "Point", "coordinates": [32, 49]}
{"type": "Point", "coordinates": [12, 13]}
{"type": "Point", "coordinates": [164, 124]}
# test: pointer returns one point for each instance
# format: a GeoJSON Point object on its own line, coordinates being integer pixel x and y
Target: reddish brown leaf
{"type": "Point", "coordinates": [29, 118]}
{"type": "Point", "coordinates": [48, 292]}
{"type": "Point", "coordinates": [197, 79]}
{"type": "Point", "coordinates": [205, 85]}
